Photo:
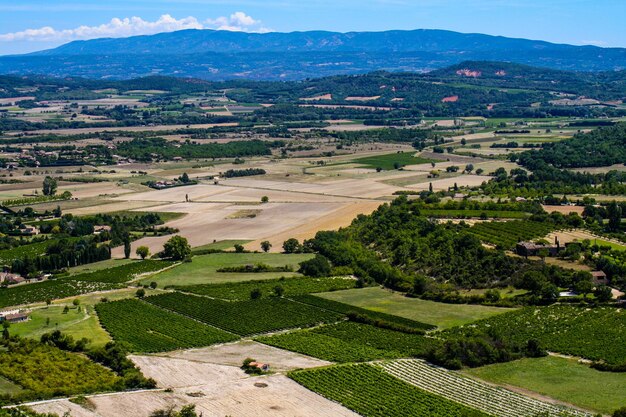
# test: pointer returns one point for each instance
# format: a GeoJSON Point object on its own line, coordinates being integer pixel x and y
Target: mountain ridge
{"type": "Point", "coordinates": [222, 55]}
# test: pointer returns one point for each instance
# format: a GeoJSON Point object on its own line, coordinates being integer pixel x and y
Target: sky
{"type": "Point", "coordinates": [31, 25]}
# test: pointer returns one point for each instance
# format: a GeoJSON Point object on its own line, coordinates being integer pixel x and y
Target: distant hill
{"type": "Point", "coordinates": [220, 55]}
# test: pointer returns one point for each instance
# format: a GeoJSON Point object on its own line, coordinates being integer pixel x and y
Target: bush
{"type": "Point", "coordinates": [316, 267]}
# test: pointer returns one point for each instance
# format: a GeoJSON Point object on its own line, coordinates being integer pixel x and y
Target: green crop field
{"type": "Point", "coordinates": [65, 373]}
{"type": "Point", "coordinates": [343, 308]}
{"type": "Point", "coordinates": [439, 314]}
{"type": "Point", "coordinates": [31, 250]}
{"type": "Point", "coordinates": [562, 379]}
{"type": "Point", "coordinates": [351, 342]}
{"type": "Point", "coordinates": [388, 161]}
{"type": "Point", "coordinates": [51, 289]}
{"type": "Point", "coordinates": [203, 268]}
{"type": "Point", "coordinates": [507, 234]}
{"type": "Point", "coordinates": [572, 330]}
{"type": "Point", "coordinates": [146, 328]}
{"type": "Point", "coordinates": [240, 291]}
{"type": "Point", "coordinates": [371, 392]}
{"type": "Point", "coordinates": [245, 317]}
{"type": "Point", "coordinates": [461, 214]}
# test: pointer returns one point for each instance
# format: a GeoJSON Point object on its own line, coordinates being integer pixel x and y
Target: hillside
{"type": "Point", "coordinates": [221, 55]}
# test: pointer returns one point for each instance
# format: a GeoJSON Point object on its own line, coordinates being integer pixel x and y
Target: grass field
{"type": "Point", "coordinates": [8, 387]}
{"type": "Point", "coordinates": [97, 266]}
{"type": "Point", "coordinates": [388, 161]}
{"type": "Point", "coordinates": [77, 324]}
{"type": "Point", "coordinates": [562, 379]}
{"type": "Point", "coordinates": [440, 314]}
{"type": "Point", "coordinates": [202, 269]}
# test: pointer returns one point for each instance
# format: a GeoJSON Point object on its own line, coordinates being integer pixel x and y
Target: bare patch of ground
{"type": "Point", "coordinates": [564, 209]}
{"type": "Point", "coordinates": [446, 183]}
{"type": "Point", "coordinates": [217, 390]}
{"type": "Point", "coordinates": [233, 354]}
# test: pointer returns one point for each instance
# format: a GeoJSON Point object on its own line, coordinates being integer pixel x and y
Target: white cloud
{"type": "Point", "coordinates": [133, 26]}
{"type": "Point", "coordinates": [237, 22]}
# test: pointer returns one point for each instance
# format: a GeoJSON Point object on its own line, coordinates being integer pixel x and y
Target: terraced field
{"type": "Point", "coordinates": [491, 400]}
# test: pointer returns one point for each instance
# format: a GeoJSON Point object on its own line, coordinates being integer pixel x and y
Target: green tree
{"type": "Point", "coordinates": [265, 199]}
{"type": "Point", "coordinates": [255, 294]}
{"type": "Point", "coordinates": [49, 186]}
{"type": "Point", "coordinates": [620, 412]}
{"type": "Point", "coordinates": [316, 267]}
{"type": "Point", "coordinates": [127, 248]}
{"type": "Point", "coordinates": [153, 285]}
{"type": "Point", "coordinates": [279, 291]}
{"type": "Point", "coordinates": [291, 245]}
{"type": "Point", "coordinates": [603, 293]}
{"type": "Point", "coordinates": [266, 246]}
{"type": "Point", "coordinates": [614, 213]}
{"type": "Point", "coordinates": [140, 293]}
{"type": "Point", "coordinates": [239, 248]}
{"type": "Point", "coordinates": [583, 287]}
{"type": "Point", "coordinates": [143, 252]}
{"type": "Point", "coordinates": [469, 168]}
{"type": "Point", "coordinates": [184, 178]}
{"type": "Point", "coordinates": [5, 330]}
{"type": "Point", "coordinates": [177, 248]}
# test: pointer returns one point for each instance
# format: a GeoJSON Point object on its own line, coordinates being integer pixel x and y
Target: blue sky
{"type": "Point", "coordinates": [29, 25]}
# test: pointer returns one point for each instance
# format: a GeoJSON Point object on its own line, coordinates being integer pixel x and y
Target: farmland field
{"type": "Point", "coordinates": [122, 273]}
{"type": "Point", "coordinates": [438, 314]}
{"type": "Point", "coordinates": [245, 317]}
{"type": "Point", "coordinates": [146, 328]}
{"type": "Point", "coordinates": [66, 373]}
{"type": "Point", "coordinates": [78, 324]}
{"type": "Point", "coordinates": [389, 161]}
{"type": "Point", "coordinates": [371, 392]}
{"type": "Point", "coordinates": [203, 268]}
{"type": "Point", "coordinates": [240, 291]}
{"type": "Point", "coordinates": [507, 234]}
{"type": "Point", "coordinates": [351, 342]}
{"type": "Point", "coordinates": [344, 308]}
{"type": "Point", "coordinates": [560, 378]}
{"type": "Point", "coordinates": [53, 289]}
{"type": "Point", "coordinates": [571, 330]}
{"type": "Point", "coordinates": [478, 395]}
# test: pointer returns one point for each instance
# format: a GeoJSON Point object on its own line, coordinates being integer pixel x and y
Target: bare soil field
{"type": "Point", "coordinates": [233, 354]}
{"type": "Point", "coordinates": [217, 390]}
{"type": "Point", "coordinates": [207, 222]}
{"type": "Point", "coordinates": [93, 189]}
{"type": "Point", "coordinates": [564, 209]}
{"type": "Point", "coordinates": [341, 217]}
{"type": "Point", "coordinates": [317, 98]}
{"type": "Point", "coordinates": [360, 98]}
{"type": "Point", "coordinates": [356, 188]}
{"type": "Point", "coordinates": [444, 184]}
{"type": "Point", "coordinates": [12, 100]}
